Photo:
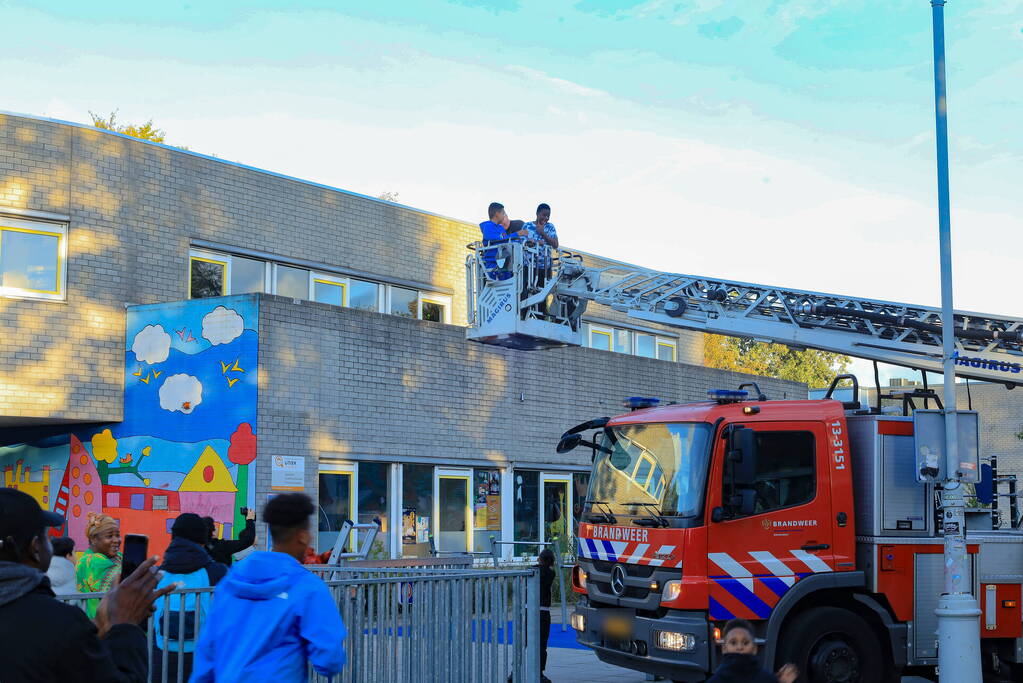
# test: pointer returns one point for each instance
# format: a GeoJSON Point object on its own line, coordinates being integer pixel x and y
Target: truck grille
{"type": "Point", "coordinates": [643, 571]}
{"type": "Point", "coordinates": [636, 592]}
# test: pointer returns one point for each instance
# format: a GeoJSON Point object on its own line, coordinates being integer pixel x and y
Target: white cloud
{"type": "Point", "coordinates": [222, 325]}
{"type": "Point", "coordinates": [566, 86]}
{"type": "Point", "coordinates": [181, 393]}
{"type": "Point", "coordinates": [151, 345]}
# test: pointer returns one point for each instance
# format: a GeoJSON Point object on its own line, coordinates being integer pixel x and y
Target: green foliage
{"type": "Point", "coordinates": [811, 366]}
{"type": "Point", "coordinates": [147, 131]}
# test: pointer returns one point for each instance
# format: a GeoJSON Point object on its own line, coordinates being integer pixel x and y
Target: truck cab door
{"type": "Point", "coordinates": [754, 559]}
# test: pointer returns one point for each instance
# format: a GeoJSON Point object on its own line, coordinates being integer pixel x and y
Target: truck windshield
{"type": "Point", "coordinates": [653, 468]}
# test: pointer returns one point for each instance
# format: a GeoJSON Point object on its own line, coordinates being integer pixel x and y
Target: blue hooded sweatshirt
{"type": "Point", "coordinates": [270, 615]}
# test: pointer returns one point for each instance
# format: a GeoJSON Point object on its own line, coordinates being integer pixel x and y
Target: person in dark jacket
{"type": "Point", "coordinates": [43, 639]}
{"type": "Point", "coordinates": [545, 562]}
{"type": "Point", "coordinates": [739, 663]}
{"type": "Point", "coordinates": [186, 563]}
{"type": "Point", "coordinates": [222, 550]}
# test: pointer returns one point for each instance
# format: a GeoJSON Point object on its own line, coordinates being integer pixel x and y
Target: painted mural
{"type": "Point", "coordinates": [188, 438]}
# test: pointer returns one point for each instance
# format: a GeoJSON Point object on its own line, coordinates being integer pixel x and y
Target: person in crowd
{"type": "Point", "coordinates": [545, 562]}
{"type": "Point", "coordinates": [270, 617]}
{"type": "Point", "coordinates": [43, 639]}
{"type": "Point", "coordinates": [186, 564]}
{"type": "Point", "coordinates": [62, 568]}
{"type": "Point", "coordinates": [222, 550]}
{"type": "Point", "coordinates": [99, 567]}
{"type": "Point", "coordinates": [498, 228]}
{"type": "Point", "coordinates": [542, 232]}
{"type": "Point", "coordinates": [739, 663]}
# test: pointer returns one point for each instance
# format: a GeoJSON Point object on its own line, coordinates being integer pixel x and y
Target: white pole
{"type": "Point", "coordinates": [958, 614]}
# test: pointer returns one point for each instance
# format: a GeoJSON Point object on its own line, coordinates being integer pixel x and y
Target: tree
{"type": "Point", "coordinates": [147, 131]}
{"type": "Point", "coordinates": [814, 367]}
{"type": "Point", "coordinates": [242, 451]}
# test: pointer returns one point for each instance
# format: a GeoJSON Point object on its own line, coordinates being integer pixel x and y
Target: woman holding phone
{"type": "Point", "coordinates": [99, 567]}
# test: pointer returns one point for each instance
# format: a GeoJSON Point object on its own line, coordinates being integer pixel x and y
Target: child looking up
{"type": "Point", "coordinates": [739, 658]}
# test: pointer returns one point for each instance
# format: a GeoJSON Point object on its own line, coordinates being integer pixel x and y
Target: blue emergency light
{"type": "Point", "coordinates": [640, 402]}
{"type": "Point", "coordinates": [728, 395]}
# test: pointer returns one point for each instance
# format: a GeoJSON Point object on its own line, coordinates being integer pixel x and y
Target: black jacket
{"type": "Point", "coordinates": [221, 549]}
{"type": "Point", "coordinates": [736, 668]}
{"type": "Point", "coordinates": [184, 557]}
{"type": "Point", "coordinates": [546, 584]}
{"type": "Point", "coordinates": [42, 639]}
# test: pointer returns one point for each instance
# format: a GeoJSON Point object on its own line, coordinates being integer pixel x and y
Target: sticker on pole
{"type": "Point", "coordinates": [929, 445]}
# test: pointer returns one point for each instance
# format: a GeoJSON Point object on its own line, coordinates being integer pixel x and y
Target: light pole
{"type": "Point", "coordinates": [958, 613]}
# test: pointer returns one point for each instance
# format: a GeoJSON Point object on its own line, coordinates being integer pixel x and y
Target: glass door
{"type": "Point", "coordinates": [556, 511]}
{"type": "Point", "coordinates": [453, 510]}
{"type": "Point", "coordinates": [337, 498]}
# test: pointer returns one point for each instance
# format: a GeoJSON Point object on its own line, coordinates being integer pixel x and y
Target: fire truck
{"type": "Point", "coordinates": [805, 517]}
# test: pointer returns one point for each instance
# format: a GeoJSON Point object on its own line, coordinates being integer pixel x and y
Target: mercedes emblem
{"type": "Point", "coordinates": [618, 580]}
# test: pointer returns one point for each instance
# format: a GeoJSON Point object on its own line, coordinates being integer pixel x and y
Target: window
{"type": "Point", "coordinates": [207, 277]}
{"type": "Point", "coordinates": [786, 472]}
{"type": "Point", "coordinates": [329, 291]}
{"type": "Point", "coordinates": [623, 341]}
{"type": "Point", "coordinates": [293, 282]}
{"type": "Point", "coordinates": [527, 511]}
{"type": "Point", "coordinates": [416, 509]}
{"type": "Point", "coordinates": [247, 275]}
{"type": "Point", "coordinates": [665, 350]}
{"type": "Point", "coordinates": [32, 257]}
{"type": "Point", "coordinates": [404, 302]}
{"type": "Point", "coordinates": [434, 311]}
{"type": "Point", "coordinates": [373, 502]}
{"type": "Point", "coordinates": [335, 506]}
{"type": "Point", "coordinates": [645, 345]}
{"type": "Point", "coordinates": [364, 295]}
{"type": "Point", "coordinates": [486, 496]}
{"type": "Point", "coordinates": [213, 274]}
{"type": "Point", "coordinates": [600, 338]}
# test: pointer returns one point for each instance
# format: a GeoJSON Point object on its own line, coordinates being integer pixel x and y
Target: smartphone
{"type": "Point", "coordinates": [136, 547]}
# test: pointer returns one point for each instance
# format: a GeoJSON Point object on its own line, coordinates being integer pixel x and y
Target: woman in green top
{"type": "Point", "coordinates": [99, 567]}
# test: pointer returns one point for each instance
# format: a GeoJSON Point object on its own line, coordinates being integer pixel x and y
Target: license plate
{"type": "Point", "coordinates": [617, 628]}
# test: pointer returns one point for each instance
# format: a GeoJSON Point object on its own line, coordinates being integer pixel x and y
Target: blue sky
{"type": "Point", "coordinates": [778, 142]}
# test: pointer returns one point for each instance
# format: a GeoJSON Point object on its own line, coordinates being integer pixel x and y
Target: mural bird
{"type": "Point", "coordinates": [182, 335]}
{"type": "Point", "coordinates": [231, 381]}
{"type": "Point", "coordinates": [125, 458]}
{"type": "Point", "coordinates": [224, 367]}
{"type": "Point", "coordinates": [145, 380]}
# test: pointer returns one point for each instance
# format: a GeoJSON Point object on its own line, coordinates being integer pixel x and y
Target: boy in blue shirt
{"type": "Point", "coordinates": [270, 614]}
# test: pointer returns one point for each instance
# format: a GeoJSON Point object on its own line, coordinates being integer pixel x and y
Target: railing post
{"type": "Point", "coordinates": [532, 663]}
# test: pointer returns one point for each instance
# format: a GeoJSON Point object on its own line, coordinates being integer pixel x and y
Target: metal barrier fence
{"type": "Point", "coordinates": [404, 625]}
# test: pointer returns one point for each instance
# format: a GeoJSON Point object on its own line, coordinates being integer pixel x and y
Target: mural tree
{"type": "Point", "coordinates": [241, 452]}
{"type": "Point", "coordinates": [104, 450]}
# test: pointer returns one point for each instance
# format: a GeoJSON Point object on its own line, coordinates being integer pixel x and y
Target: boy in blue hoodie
{"type": "Point", "coordinates": [270, 615]}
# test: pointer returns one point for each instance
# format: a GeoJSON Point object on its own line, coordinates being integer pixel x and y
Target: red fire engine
{"type": "Point", "coordinates": [805, 517]}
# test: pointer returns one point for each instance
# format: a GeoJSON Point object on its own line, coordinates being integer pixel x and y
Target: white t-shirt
{"type": "Point", "coordinates": [62, 576]}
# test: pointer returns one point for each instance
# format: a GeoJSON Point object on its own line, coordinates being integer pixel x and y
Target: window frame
{"type": "Point", "coordinates": [439, 299]}
{"type": "Point", "coordinates": [604, 332]}
{"type": "Point", "coordinates": [326, 279]}
{"type": "Point", "coordinates": [210, 257]}
{"type": "Point", "coordinates": [667, 343]}
{"type": "Point", "coordinates": [49, 229]}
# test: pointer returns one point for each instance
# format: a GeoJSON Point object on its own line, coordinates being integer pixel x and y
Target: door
{"type": "Point", "coordinates": [754, 559]}
{"type": "Point", "coordinates": [336, 503]}
{"type": "Point", "coordinates": [556, 511]}
{"type": "Point", "coordinates": [453, 532]}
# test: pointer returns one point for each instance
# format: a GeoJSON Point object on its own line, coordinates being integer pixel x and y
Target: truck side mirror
{"type": "Point", "coordinates": [742, 451]}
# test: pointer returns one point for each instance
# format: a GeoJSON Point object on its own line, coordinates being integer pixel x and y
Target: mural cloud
{"type": "Point", "coordinates": [181, 392]}
{"type": "Point", "coordinates": [151, 344]}
{"type": "Point", "coordinates": [222, 325]}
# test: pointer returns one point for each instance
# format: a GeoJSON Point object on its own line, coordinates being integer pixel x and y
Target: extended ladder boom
{"type": "Point", "coordinates": [513, 303]}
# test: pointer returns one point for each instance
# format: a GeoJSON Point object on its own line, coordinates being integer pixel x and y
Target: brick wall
{"type": "Point", "coordinates": [134, 209]}
{"type": "Point", "coordinates": [342, 382]}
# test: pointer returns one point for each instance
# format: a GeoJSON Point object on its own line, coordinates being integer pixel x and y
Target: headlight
{"type": "Point", "coordinates": [679, 642]}
{"type": "Point", "coordinates": [580, 576]}
{"type": "Point", "coordinates": [578, 622]}
{"type": "Point", "coordinates": [672, 589]}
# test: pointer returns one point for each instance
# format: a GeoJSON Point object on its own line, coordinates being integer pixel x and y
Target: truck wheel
{"type": "Point", "coordinates": [832, 645]}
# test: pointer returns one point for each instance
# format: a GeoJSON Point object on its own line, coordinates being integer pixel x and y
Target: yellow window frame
{"type": "Point", "coordinates": [433, 300]}
{"type": "Point", "coordinates": [650, 474]}
{"type": "Point", "coordinates": [668, 345]}
{"type": "Point", "coordinates": [61, 257]}
{"type": "Point", "coordinates": [349, 471]}
{"type": "Point", "coordinates": [603, 333]}
{"type": "Point", "coordinates": [204, 259]}
{"type": "Point", "coordinates": [333, 283]}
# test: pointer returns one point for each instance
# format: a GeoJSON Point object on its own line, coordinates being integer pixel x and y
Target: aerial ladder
{"type": "Point", "coordinates": [514, 303]}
